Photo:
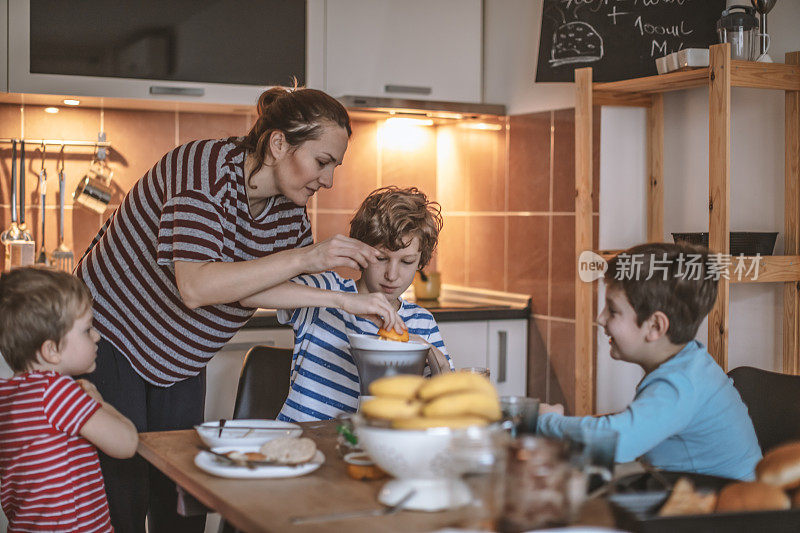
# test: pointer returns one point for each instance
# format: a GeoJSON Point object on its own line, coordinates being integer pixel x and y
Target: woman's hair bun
{"type": "Point", "coordinates": [269, 96]}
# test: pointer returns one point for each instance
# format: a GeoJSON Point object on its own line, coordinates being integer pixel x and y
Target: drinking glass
{"type": "Point", "coordinates": [476, 459]}
{"type": "Point", "coordinates": [520, 414]}
{"type": "Point", "coordinates": [483, 371]}
{"type": "Point", "coordinates": [594, 452]}
{"type": "Point", "coordinates": [539, 485]}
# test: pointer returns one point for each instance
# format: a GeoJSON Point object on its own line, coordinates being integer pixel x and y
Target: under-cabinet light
{"type": "Point", "coordinates": [482, 126]}
{"type": "Point", "coordinates": [404, 121]}
{"type": "Point", "coordinates": [51, 110]}
{"type": "Point", "coordinates": [69, 101]}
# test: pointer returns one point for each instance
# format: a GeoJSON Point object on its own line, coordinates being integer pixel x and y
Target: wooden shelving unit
{"type": "Point", "coordinates": [722, 74]}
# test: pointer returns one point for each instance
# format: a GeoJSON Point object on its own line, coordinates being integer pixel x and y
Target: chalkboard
{"type": "Point", "coordinates": [620, 39]}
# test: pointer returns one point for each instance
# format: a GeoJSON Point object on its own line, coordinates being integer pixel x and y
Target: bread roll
{"type": "Point", "coordinates": [796, 499]}
{"type": "Point", "coordinates": [751, 496]}
{"type": "Point", "coordinates": [289, 450]}
{"type": "Point", "coordinates": [781, 466]}
{"type": "Point", "coordinates": [392, 335]}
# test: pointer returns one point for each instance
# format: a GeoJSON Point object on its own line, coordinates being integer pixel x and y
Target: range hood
{"type": "Point", "coordinates": [427, 108]}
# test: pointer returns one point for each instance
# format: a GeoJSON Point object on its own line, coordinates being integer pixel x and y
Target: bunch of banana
{"type": "Point", "coordinates": [454, 400]}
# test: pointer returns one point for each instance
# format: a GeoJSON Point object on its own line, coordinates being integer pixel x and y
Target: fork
{"type": "Point", "coordinates": [62, 255]}
{"type": "Point", "coordinates": [384, 511]}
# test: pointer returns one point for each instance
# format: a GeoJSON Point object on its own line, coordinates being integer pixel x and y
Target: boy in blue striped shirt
{"type": "Point", "coordinates": [403, 225]}
{"type": "Point", "coordinates": [686, 415]}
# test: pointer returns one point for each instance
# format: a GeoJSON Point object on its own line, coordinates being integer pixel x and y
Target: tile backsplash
{"type": "Point", "coordinates": [507, 197]}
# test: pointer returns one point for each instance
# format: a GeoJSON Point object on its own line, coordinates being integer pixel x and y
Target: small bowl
{"type": "Point", "coordinates": [672, 62]}
{"type": "Point", "coordinates": [661, 65]}
{"type": "Point", "coordinates": [362, 468]}
{"type": "Point", "coordinates": [236, 432]}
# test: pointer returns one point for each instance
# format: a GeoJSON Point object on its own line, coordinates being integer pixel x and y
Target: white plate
{"type": "Point", "coordinates": [372, 342]}
{"type": "Point", "coordinates": [208, 463]}
{"type": "Point", "coordinates": [209, 432]}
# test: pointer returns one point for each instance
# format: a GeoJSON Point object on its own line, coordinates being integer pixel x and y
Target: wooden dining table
{"type": "Point", "coordinates": [267, 505]}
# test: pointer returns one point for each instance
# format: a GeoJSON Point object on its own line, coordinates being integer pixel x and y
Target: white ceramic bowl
{"type": "Point", "coordinates": [661, 65]}
{"type": "Point", "coordinates": [236, 432]}
{"type": "Point", "coordinates": [376, 358]}
{"type": "Point", "coordinates": [419, 461]}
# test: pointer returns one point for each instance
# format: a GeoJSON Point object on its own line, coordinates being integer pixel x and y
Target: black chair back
{"type": "Point", "coordinates": [773, 401]}
{"type": "Point", "coordinates": [263, 383]}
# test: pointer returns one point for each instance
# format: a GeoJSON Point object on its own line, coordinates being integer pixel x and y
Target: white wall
{"type": "Point", "coordinates": [757, 162]}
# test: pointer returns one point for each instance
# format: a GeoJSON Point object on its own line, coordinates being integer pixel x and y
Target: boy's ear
{"type": "Point", "coordinates": [49, 352]}
{"type": "Point", "coordinates": [658, 326]}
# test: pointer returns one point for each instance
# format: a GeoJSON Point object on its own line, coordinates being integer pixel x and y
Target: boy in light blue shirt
{"type": "Point", "coordinates": [686, 415]}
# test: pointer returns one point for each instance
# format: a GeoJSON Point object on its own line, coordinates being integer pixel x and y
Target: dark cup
{"type": "Point", "coordinates": [520, 414]}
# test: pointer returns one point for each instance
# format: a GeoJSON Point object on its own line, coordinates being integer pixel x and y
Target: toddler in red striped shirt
{"type": "Point", "coordinates": [51, 424]}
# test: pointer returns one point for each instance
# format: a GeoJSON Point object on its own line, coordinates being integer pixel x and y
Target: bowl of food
{"type": "Point", "coordinates": [244, 432]}
{"type": "Point", "coordinates": [408, 428]}
{"type": "Point", "coordinates": [376, 357]}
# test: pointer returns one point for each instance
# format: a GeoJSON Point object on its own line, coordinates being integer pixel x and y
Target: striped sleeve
{"type": "Point", "coordinates": [306, 237]}
{"type": "Point", "coordinates": [422, 323]}
{"type": "Point", "coordinates": [189, 230]}
{"type": "Point", "coordinates": [66, 406]}
{"type": "Point", "coordinates": [302, 316]}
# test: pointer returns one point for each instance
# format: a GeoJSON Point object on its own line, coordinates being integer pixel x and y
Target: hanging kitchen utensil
{"type": "Point", "coordinates": [23, 228]}
{"type": "Point", "coordinates": [62, 256]}
{"type": "Point", "coordinates": [43, 258]}
{"type": "Point", "coordinates": [12, 233]}
{"type": "Point", "coordinates": [20, 248]}
{"type": "Point", "coordinates": [94, 191]}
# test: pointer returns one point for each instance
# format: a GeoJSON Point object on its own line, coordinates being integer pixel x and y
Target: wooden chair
{"type": "Point", "coordinates": [263, 383]}
{"type": "Point", "coordinates": [773, 401]}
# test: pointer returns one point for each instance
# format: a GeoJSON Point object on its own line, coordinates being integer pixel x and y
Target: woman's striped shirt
{"type": "Point", "coordinates": [191, 206]}
{"type": "Point", "coordinates": [51, 479]}
{"type": "Point", "coordinates": [324, 379]}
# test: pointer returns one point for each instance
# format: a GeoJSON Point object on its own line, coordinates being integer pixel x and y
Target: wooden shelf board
{"type": "Point", "coordinates": [622, 99]}
{"type": "Point", "coordinates": [771, 268]}
{"type": "Point", "coordinates": [777, 76]}
{"type": "Point", "coordinates": [682, 79]}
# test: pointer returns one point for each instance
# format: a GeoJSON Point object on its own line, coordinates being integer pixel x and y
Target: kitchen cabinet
{"type": "Point", "coordinates": [3, 45]}
{"type": "Point", "coordinates": [220, 53]}
{"type": "Point", "coordinates": [222, 372]}
{"type": "Point", "coordinates": [414, 49]}
{"type": "Point", "coordinates": [499, 345]}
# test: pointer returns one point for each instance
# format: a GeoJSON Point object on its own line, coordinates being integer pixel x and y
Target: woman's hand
{"type": "Point", "coordinates": [437, 361]}
{"type": "Point", "coordinates": [338, 251]}
{"type": "Point", "coordinates": [374, 307]}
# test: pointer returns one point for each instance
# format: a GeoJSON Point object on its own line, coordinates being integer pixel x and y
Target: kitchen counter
{"type": "Point", "coordinates": [455, 304]}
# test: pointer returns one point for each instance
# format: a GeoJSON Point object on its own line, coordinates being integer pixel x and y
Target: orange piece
{"type": "Point", "coordinates": [392, 335]}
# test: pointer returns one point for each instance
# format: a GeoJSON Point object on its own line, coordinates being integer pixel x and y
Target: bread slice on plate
{"type": "Point", "coordinates": [289, 450]}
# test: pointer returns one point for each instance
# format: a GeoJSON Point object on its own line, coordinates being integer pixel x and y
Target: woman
{"type": "Point", "coordinates": [179, 267]}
